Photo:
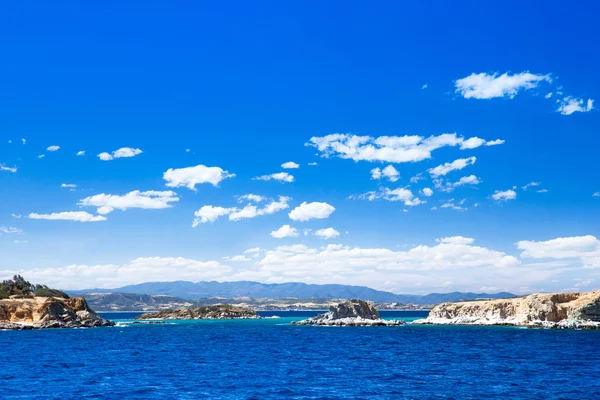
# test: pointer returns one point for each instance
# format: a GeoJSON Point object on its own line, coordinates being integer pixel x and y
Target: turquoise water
{"type": "Point", "coordinates": [271, 359]}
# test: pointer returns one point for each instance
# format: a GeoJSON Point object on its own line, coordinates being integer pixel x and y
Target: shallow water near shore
{"type": "Point", "coordinates": [271, 359]}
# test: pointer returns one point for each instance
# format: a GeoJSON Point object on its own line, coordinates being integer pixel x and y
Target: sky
{"type": "Point", "coordinates": [410, 147]}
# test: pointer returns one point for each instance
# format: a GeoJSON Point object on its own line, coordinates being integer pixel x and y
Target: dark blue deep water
{"type": "Point", "coordinates": [270, 359]}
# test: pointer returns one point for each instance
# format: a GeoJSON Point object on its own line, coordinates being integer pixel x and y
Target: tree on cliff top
{"type": "Point", "coordinates": [20, 287]}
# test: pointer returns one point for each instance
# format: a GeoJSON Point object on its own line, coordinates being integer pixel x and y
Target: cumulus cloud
{"type": "Point", "coordinates": [584, 248]}
{"type": "Point", "coordinates": [596, 194]}
{"type": "Point", "coordinates": [568, 105]}
{"type": "Point", "coordinates": [453, 206]}
{"type": "Point", "coordinates": [41, 156]}
{"type": "Point", "coordinates": [530, 184]}
{"type": "Point", "coordinates": [192, 176]}
{"type": "Point", "coordinates": [315, 210]}
{"type": "Point", "coordinates": [8, 169]}
{"type": "Point", "coordinates": [251, 197]}
{"type": "Point", "coordinates": [290, 165]}
{"type": "Point", "coordinates": [394, 149]}
{"type": "Point", "coordinates": [284, 231]}
{"type": "Point", "coordinates": [123, 152]}
{"type": "Point", "coordinates": [80, 153]}
{"type": "Point", "coordinates": [23, 141]}
{"type": "Point", "coordinates": [390, 173]}
{"type": "Point", "coordinates": [504, 195]}
{"type": "Point", "coordinates": [240, 258]}
{"type": "Point", "coordinates": [494, 142]}
{"type": "Point", "coordinates": [68, 185]}
{"type": "Point", "coordinates": [427, 192]}
{"type": "Point", "coordinates": [79, 216]}
{"type": "Point", "coordinates": [279, 176]}
{"type": "Point", "coordinates": [211, 213]}
{"type": "Point", "coordinates": [150, 199]}
{"type": "Point", "coordinates": [53, 148]}
{"type": "Point", "coordinates": [327, 233]}
{"type": "Point", "coordinates": [456, 240]}
{"type": "Point", "coordinates": [143, 269]}
{"type": "Point", "coordinates": [486, 86]}
{"type": "Point", "coordinates": [455, 165]}
{"type": "Point", "coordinates": [400, 194]}
{"type": "Point", "coordinates": [312, 163]}
{"type": "Point", "coordinates": [450, 186]}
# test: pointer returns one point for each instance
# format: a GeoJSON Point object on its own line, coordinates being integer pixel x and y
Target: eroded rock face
{"type": "Point", "coordinates": [224, 311]}
{"type": "Point", "coordinates": [548, 310]}
{"type": "Point", "coordinates": [350, 313]}
{"type": "Point", "coordinates": [48, 312]}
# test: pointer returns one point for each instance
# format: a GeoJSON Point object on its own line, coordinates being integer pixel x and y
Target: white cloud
{"type": "Point", "coordinates": [23, 141]}
{"type": "Point", "coordinates": [68, 185]}
{"type": "Point", "coordinates": [279, 176]}
{"type": "Point", "coordinates": [427, 192]}
{"type": "Point", "coordinates": [568, 105]}
{"type": "Point", "coordinates": [192, 176]}
{"type": "Point", "coordinates": [9, 229]}
{"type": "Point", "coordinates": [504, 195]}
{"type": "Point", "coordinates": [150, 199]}
{"type": "Point", "coordinates": [596, 194]}
{"type": "Point", "coordinates": [543, 191]}
{"type": "Point", "coordinates": [472, 143]}
{"type": "Point", "coordinates": [485, 86]}
{"type": "Point", "coordinates": [328, 233]}
{"type": "Point", "coordinates": [307, 211]}
{"type": "Point", "coordinates": [285, 231]}
{"type": "Point", "coordinates": [451, 205]}
{"type": "Point", "coordinates": [418, 177]}
{"type": "Point", "coordinates": [16, 216]}
{"type": "Point", "coordinates": [585, 248]}
{"type": "Point", "coordinates": [251, 197]}
{"type": "Point", "coordinates": [187, 150]}
{"type": "Point", "coordinates": [8, 169]}
{"type": "Point", "coordinates": [400, 194]}
{"type": "Point", "coordinates": [290, 165]}
{"type": "Point", "coordinates": [424, 86]}
{"type": "Point", "coordinates": [548, 95]}
{"type": "Point", "coordinates": [494, 142]}
{"type": "Point", "coordinates": [211, 214]}
{"type": "Point", "coordinates": [456, 240]}
{"type": "Point", "coordinates": [240, 258]}
{"type": "Point", "coordinates": [79, 216]}
{"type": "Point", "coordinates": [395, 149]}
{"type": "Point", "coordinates": [312, 163]}
{"type": "Point", "coordinates": [53, 148]}
{"type": "Point", "coordinates": [143, 269]}
{"type": "Point", "coordinates": [389, 172]}
{"type": "Point", "coordinates": [80, 153]}
{"type": "Point", "coordinates": [450, 186]}
{"type": "Point", "coordinates": [41, 156]}
{"type": "Point", "coordinates": [530, 184]}
{"type": "Point", "coordinates": [253, 250]}
{"type": "Point", "coordinates": [123, 152]}
{"type": "Point", "coordinates": [455, 165]}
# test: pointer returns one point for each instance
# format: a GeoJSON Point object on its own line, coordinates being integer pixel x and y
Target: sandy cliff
{"type": "Point", "coordinates": [48, 312]}
{"type": "Point", "coordinates": [550, 310]}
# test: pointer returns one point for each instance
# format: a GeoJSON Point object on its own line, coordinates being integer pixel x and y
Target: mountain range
{"type": "Point", "coordinates": [256, 290]}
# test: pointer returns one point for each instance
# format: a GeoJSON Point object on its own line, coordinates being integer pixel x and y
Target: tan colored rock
{"type": "Point", "coordinates": [552, 310]}
{"type": "Point", "coordinates": [221, 311]}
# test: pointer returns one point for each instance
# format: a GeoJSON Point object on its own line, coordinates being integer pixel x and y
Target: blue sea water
{"type": "Point", "coordinates": [271, 359]}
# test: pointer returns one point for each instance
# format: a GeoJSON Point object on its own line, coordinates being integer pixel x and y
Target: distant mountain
{"type": "Point", "coordinates": [133, 302]}
{"type": "Point", "coordinates": [203, 290]}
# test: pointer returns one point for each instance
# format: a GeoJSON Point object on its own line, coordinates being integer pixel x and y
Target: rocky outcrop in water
{"type": "Point", "coordinates": [222, 311]}
{"type": "Point", "coordinates": [544, 310]}
{"type": "Point", "coordinates": [350, 313]}
{"type": "Point", "coordinates": [48, 312]}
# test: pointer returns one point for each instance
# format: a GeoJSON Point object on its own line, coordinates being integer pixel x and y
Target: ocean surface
{"type": "Point", "coordinates": [271, 359]}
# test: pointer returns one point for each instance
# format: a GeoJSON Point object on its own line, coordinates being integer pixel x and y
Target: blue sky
{"type": "Point", "coordinates": [246, 88]}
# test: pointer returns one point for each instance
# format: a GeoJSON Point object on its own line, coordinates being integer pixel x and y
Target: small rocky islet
{"type": "Point", "coordinates": [350, 313]}
{"type": "Point", "coordinates": [220, 311]}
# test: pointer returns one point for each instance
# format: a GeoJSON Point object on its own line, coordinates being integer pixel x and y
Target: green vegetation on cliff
{"type": "Point", "coordinates": [18, 286]}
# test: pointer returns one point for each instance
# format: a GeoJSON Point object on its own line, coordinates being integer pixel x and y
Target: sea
{"type": "Point", "coordinates": [272, 359]}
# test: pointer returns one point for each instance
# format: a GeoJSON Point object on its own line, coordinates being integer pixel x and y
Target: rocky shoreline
{"type": "Point", "coordinates": [48, 312]}
{"type": "Point", "coordinates": [350, 313]}
{"type": "Point", "coordinates": [222, 311]}
{"type": "Point", "coordinates": [540, 310]}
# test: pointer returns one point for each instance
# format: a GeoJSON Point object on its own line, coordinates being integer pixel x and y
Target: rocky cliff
{"type": "Point", "coordinates": [223, 311]}
{"type": "Point", "coordinates": [349, 313]}
{"type": "Point", "coordinates": [48, 312]}
{"type": "Point", "coordinates": [547, 310]}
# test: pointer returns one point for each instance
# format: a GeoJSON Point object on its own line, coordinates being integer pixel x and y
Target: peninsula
{"type": "Point", "coordinates": [27, 306]}
{"type": "Point", "coordinates": [541, 310]}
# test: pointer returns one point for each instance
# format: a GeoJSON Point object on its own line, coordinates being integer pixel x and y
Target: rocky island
{"type": "Point", "coordinates": [540, 310]}
{"type": "Point", "coordinates": [221, 311]}
{"type": "Point", "coordinates": [350, 313]}
{"type": "Point", "coordinates": [27, 306]}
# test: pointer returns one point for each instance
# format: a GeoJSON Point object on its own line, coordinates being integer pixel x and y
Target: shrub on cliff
{"type": "Point", "coordinates": [45, 292]}
{"type": "Point", "coordinates": [18, 286]}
